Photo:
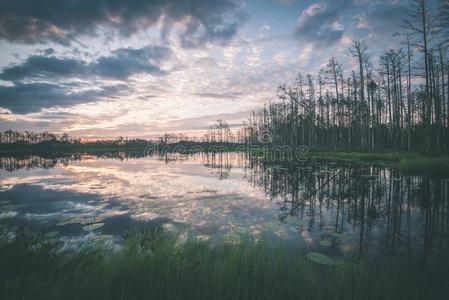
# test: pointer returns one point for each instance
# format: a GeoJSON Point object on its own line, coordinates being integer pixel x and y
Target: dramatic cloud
{"type": "Point", "coordinates": [145, 67]}
{"type": "Point", "coordinates": [62, 21]}
{"type": "Point", "coordinates": [127, 61]}
{"type": "Point", "coordinates": [123, 63]}
{"type": "Point", "coordinates": [323, 23]}
{"type": "Point", "coordinates": [320, 25]}
{"type": "Point", "coordinates": [44, 67]}
{"type": "Point", "coordinates": [381, 17]}
{"type": "Point", "coordinates": [25, 98]}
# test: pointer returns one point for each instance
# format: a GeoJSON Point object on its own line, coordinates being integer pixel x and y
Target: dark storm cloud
{"type": "Point", "coordinates": [37, 66]}
{"type": "Point", "coordinates": [26, 95]}
{"type": "Point", "coordinates": [123, 63]}
{"type": "Point", "coordinates": [49, 51]}
{"type": "Point", "coordinates": [194, 36]}
{"type": "Point", "coordinates": [317, 23]}
{"type": "Point", "coordinates": [384, 17]}
{"type": "Point", "coordinates": [324, 22]}
{"type": "Point", "coordinates": [128, 61]}
{"type": "Point", "coordinates": [31, 97]}
{"type": "Point", "coordinates": [61, 21]}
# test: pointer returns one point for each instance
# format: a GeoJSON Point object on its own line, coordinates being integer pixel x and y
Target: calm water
{"type": "Point", "coordinates": [348, 208]}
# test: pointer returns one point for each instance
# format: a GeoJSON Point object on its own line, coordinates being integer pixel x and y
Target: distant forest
{"type": "Point", "coordinates": [51, 143]}
{"type": "Point", "coordinates": [402, 103]}
{"type": "Point", "coordinates": [219, 132]}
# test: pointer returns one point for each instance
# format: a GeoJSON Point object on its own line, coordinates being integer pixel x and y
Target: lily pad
{"type": "Point", "coordinates": [74, 220]}
{"type": "Point", "coordinates": [93, 226]}
{"type": "Point", "coordinates": [319, 258]}
{"type": "Point", "coordinates": [90, 220]}
{"type": "Point", "coordinates": [102, 237]}
{"type": "Point", "coordinates": [51, 234]}
{"type": "Point", "coordinates": [271, 225]}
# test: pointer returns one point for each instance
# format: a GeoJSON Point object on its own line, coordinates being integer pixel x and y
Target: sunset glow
{"type": "Point", "coordinates": [99, 70]}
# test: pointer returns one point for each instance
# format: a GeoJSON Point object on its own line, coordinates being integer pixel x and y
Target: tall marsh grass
{"type": "Point", "coordinates": [408, 162]}
{"type": "Point", "coordinates": [152, 265]}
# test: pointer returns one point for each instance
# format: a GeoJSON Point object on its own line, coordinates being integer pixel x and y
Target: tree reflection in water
{"type": "Point", "coordinates": [385, 209]}
{"type": "Point", "coordinates": [376, 208]}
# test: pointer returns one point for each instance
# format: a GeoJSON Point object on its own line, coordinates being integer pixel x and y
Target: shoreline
{"type": "Point", "coordinates": [433, 163]}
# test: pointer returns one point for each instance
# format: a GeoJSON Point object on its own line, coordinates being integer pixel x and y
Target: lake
{"type": "Point", "coordinates": [344, 208]}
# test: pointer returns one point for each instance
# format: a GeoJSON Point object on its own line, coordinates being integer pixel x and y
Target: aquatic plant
{"type": "Point", "coordinates": [151, 265]}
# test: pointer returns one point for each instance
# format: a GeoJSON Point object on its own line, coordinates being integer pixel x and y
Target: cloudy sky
{"type": "Point", "coordinates": [145, 67]}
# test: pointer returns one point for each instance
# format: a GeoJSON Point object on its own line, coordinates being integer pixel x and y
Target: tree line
{"type": "Point", "coordinates": [29, 137]}
{"type": "Point", "coordinates": [218, 133]}
{"type": "Point", "coordinates": [50, 144]}
{"type": "Point", "coordinates": [34, 138]}
{"type": "Point", "coordinates": [401, 104]}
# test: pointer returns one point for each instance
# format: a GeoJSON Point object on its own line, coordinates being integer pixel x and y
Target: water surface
{"type": "Point", "coordinates": [339, 207]}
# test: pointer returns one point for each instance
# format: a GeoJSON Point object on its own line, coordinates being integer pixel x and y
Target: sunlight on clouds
{"type": "Point", "coordinates": [227, 78]}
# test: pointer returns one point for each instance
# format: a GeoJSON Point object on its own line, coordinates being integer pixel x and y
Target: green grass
{"type": "Point", "coordinates": [408, 162]}
{"type": "Point", "coordinates": [425, 164]}
{"type": "Point", "coordinates": [344, 155]}
{"type": "Point", "coordinates": [151, 265]}
{"type": "Point", "coordinates": [359, 155]}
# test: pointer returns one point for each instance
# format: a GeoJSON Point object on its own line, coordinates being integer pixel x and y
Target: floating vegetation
{"type": "Point", "coordinates": [90, 220]}
{"type": "Point", "coordinates": [51, 234]}
{"type": "Point", "coordinates": [93, 226]}
{"type": "Point", "coordinates": [74, 220]}
{"type": "Point", "coordinates": [151, 265]}
{"type": "Point", "coordinates": [118, 207]}
{"type": "Point", "coordinates": [321, 259]}
{"type": "Point", "coordinates": [80, 220]}
{"type": "Point", "coordinates": [272, 225]}
{"type": "Point", "coordinates": [101, 237]}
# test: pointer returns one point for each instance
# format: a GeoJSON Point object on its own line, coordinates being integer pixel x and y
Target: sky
{"type": "Point", "coordinates": [109, 68]}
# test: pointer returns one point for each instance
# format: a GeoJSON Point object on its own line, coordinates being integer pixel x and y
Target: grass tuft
{"type": "Point", "coordinates": [151, 265]}
{"type": "Point", "coordinates": [408, 162]}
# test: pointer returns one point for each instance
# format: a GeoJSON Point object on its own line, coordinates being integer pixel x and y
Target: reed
{"type": "Point", "coordinates": [152, 265]}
